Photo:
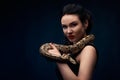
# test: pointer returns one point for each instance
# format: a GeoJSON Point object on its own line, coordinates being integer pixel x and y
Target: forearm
{"type": "Point", "coordinates": [66, 72]}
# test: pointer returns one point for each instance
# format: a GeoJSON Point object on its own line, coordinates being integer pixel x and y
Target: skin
{"type": "Point", "coordinates": [74, 30]}
{"type": "Point", "coordinates": [72, 26]}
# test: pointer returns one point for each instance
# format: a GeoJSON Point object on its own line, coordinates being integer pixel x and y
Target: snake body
{"type": "Point", "coordinates": [66, 49]}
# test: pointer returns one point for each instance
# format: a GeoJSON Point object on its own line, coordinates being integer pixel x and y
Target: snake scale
{"type": "Point", "coordinates": [66, 49]}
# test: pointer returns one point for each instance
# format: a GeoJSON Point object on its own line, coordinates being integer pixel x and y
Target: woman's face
{"type": "Point", "coordinates": [73, 28]}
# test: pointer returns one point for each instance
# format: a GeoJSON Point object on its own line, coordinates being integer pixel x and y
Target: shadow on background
{"type": "Point", "coordinates": [25, 25]}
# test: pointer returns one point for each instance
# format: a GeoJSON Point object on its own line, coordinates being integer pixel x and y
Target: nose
{"type": "Point", "coordinates": [69, 30]}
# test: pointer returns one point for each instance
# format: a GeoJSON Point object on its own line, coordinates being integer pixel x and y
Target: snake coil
{"type": "Point", "coordinates": [66, 49]}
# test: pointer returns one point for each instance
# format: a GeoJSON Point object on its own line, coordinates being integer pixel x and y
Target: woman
{"type": "Point", "coordinates": [76, 23]}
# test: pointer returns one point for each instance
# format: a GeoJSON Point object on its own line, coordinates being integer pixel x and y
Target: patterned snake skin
{"type": "Point", "coordinates": [66, 49]}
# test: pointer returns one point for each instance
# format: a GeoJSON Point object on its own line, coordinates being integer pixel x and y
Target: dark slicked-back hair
{"type": "Point", "coordinates": [82, 13]}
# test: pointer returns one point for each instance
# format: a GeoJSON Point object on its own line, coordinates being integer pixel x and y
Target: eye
{"type": "Point", "coordinates": [73, 24]}
{"type": "Point", "coordinates": [64, 26]}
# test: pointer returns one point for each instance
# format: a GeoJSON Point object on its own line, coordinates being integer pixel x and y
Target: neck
{"type": "Point", "coordinates": [80, 38]}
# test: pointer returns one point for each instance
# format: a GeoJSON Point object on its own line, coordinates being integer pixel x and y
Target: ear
{"type": "Point", "coordinates": [86, 24]}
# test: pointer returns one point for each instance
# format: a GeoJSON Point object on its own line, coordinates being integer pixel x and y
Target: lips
{"type": "Point", "coordinates": [71, 37]}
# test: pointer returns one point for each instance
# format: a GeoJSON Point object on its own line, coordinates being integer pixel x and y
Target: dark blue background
{"type": "Point", "coordinates": [25, 25]}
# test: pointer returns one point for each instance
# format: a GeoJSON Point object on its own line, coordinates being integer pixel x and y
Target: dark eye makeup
{"type": "Point", "coordinates": [64, 26]}
{"type": "Point", "coordinates": [73, 24]}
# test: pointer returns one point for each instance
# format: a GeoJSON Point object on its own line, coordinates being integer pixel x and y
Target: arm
{"type": "Point", "coordinates": [87, 59]}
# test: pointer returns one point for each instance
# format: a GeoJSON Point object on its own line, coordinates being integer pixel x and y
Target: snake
{"type": "Point", "coordinates": [66, 50]}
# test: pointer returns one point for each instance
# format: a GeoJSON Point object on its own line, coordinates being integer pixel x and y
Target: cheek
{"type": "Point", "coordinates": [64, 31]}
{"type": "Point", "coordinates": [80, 31]}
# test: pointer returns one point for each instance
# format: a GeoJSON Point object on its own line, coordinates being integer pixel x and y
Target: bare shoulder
{"type": "Point", "coordinates": [88, 53]}
{"type": "Point", "coordinates": [89, 48]}
{"type": "Point", "coordinates": [87, 60]}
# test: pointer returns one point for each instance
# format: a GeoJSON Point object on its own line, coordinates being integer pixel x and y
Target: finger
{"type": "Point", "coordinates": [52, 45]}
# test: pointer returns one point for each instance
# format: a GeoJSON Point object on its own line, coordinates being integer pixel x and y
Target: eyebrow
{"type": "Point", "coordinates": [74, 22]}
{"type": "Point", "coordinates": [71, 22]}
{"type": "Point", "coordinates": [63, 25]}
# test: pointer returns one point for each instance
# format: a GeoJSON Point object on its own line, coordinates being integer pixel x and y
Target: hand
{"type": "Point", "coordinates": [54, 51]}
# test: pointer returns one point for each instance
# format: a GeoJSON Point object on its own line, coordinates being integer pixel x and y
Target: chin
{"type": "Point", "coordinates": [73, 41]}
